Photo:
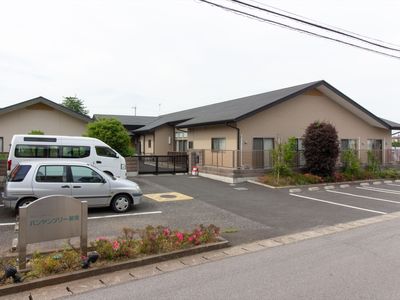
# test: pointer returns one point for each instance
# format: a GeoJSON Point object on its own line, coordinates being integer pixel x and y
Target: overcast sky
{"type": "Point", "coordinates": [182, 53]}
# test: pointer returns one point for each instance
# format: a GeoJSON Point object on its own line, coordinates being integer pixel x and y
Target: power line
{"type": "Point", "coordinates": [314, 25]}
{"type": "Point", "coordinates": [313, 20]}
{"type": "Point", "coordinates": [258, 18]}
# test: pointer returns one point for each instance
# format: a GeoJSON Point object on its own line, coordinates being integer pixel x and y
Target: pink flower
{"type": "Point", "coordinates": [190, 238]}
{"type": "Point", "coordinates": [179, 235]}
{"type": "Point", "coordinates": [166, 232]}
{"type": "Point", "coordinates": [115, 245]}
{"type": "Point", "coordinates": [102, 238]}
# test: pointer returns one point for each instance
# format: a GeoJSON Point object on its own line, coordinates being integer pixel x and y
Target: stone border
{"type": "Point", "coordinates": [61, 278]}
{"type": "Point", "coordinates": [322, 184]}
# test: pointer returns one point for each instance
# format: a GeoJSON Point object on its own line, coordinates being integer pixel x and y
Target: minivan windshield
{"type": "Point", "coordinates": [19, 173]}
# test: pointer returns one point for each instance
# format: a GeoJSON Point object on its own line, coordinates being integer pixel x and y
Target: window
{"type": "Point", "coordinates": [218, 144]}
{"type": "Point", "coordinates": [181, 146]}
{"type": "Point", "coordinates": [190, 145]}
{"type": "Point", "coordinates": [19, 173]}
{"type": "Point", "coordinates": [1, 144]}
{"type": "Point", "coordinates": [149, 144]}
{"type": "Point", "coordinates": [44, 151]}
{"type": "Point", "coordinates": [52, 174]}
{"type": "Point", "coordinates": [301, 160]}
{"type": "Point", "coordinates": [75, 151]}
{"type": "Point", "coordinates": [105, 151]}
{"type": "Point", "coordinates": [31, 151]}
{"type": "Point", "coordinates": [348, 144]}
{"type": "Point", "coordinates": [181, 134]}
{"type": "Point", "coordinates": [85, 174]}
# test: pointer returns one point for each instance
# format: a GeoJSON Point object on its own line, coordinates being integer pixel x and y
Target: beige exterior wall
{"type": "Point", "coordinates": [201, 136]}
{"type": "Point", "coordinates": [164, 137]}
{"type": "Point", "coordinates": [292, 117]}
{"type": "Point", "coordinates": [38, 117]}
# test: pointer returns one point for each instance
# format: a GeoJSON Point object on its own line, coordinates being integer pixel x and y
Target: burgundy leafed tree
{"type": "Point", "coordinates": [321, 148]}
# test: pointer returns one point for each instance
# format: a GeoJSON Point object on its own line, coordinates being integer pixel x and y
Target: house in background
{"type": "Point", "coordinates": [235, 138]}
{"type": "Point", "coordinates": [131, 123]}
{"type": "Point", "coordinates": [39, 114]}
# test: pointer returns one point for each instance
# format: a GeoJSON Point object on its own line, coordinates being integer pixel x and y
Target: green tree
{"type": "Point", "coordinates": [321, 148]}
{"type": "Point", "coordinates": [396, 144]}
{"type": "Point", "coordinates": [283, 158]}
{"type": "Point", "coordinates": [113, 133]}
{"type": "Point", "coordinates": [36, 132]}
{"type": "Point", "coordinates": [75, 104]}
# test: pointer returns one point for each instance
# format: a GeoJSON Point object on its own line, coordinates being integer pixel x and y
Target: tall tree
{"type": "Point", "coordinates": [75, 104]}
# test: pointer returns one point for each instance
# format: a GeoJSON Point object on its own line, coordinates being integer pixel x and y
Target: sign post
{"type": "Point", "coordinates": [51, 218]}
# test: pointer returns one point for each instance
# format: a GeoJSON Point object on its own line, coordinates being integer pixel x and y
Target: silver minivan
{"type": "Point", "coordinates": [31, 180]}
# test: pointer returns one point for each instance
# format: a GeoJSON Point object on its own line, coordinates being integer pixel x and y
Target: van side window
{"type": "Point", "coordinates": [105, 151]}
{"type": "Point", "coordinates": [52, 174]}
{"type": "Point", "coordinates": [31, 151]}
{"type": "Point", "coordinates": [19, 173]}
{"type": "Point", "coordinates": [85, 174]}
{"type": "Point", "coordinates": [75, 151]}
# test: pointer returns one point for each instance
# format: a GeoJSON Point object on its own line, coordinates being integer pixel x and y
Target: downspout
{"type": "Point", "coordinates": [238, 140]}
{"type": "Point", "coordinates": [154, 142]}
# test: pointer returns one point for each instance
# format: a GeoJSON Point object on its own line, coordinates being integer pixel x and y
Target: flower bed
{"type": "Point", "coordinates": [151, 242]}
{"type": "Point", "coordinates": [306, 178]}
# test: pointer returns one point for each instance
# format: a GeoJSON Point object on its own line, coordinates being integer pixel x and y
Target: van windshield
{"type": "Point", "coordinates": [18, 173]}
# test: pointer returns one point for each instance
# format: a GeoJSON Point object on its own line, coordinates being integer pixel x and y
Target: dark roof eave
{"type": "Point", "coordinates": [48, 102]}
{"type": "Point", "coordinates": [220, 122]}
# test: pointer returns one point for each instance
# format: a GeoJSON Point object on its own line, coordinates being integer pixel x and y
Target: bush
{"type": "Point", "coordinates": [321, 149]}
{"type": "Point", "coordinates": [282, 158]}
{"type": "Point", "coordinates": [113, 133]}
{"type": "Point", "coordinates": [351, 164]}
{"type": "Point", "coordinates": [373, 164]}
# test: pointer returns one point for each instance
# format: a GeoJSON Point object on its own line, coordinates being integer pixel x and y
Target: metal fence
{"type": "Point", "coordinates": [237, 159]}
{"type": "Point", "coordinates": [158, 164]}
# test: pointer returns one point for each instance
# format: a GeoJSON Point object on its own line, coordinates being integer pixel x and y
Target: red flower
{"type": "Point", "coordinates": [179, 235]}
{"type": "Point", "coordinates": [166, 232]}
{"type": "Point", "coordinates": [115, 245]}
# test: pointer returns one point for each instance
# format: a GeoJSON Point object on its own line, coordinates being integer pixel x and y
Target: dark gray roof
{"type": "Point", "coordinates": [128, 120]}
{"type": "Point", "coordinates": [227, 111]}
{"type": "Point", "coordinates": [393, 125]}
{"type": "Point", "coordinates": [48, 102]}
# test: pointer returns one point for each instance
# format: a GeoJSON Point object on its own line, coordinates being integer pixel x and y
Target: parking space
{"type": "Point", "coordinates": [379, 197]}
{"type": "Point", "coordinates": [245, 212]}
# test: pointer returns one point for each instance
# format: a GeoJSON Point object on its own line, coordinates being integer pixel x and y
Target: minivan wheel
{"type": "Point", "coordinates": [121, 203]}
{"type": "Point", "coordinates": [24, 202]}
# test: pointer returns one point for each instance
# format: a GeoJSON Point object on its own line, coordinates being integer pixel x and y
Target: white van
{"type": "Point", "coordinates": [49, 147]}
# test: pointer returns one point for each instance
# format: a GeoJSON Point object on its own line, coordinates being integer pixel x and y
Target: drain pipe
{"type": "Point", "coordinates": [238, 147]}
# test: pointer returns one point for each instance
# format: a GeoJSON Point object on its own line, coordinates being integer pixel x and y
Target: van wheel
{"type": "Point", "coordinates": [24, 202]}
{"type": "Point", "coordinates": [121, 203]}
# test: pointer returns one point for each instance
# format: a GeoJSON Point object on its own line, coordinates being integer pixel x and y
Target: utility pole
{"type": "Point", "coordinates": [134, 108]}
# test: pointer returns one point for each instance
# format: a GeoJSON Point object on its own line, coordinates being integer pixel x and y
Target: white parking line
{"type": "Point", "coordinates": [126, 215]}
{"type": "Point", "coordinates": [339, 204]}
{"type": "Point", "coordinates": [379, 190]}
{"type": "Point", "coordinates": [1, 205]}
{"type": "Point", "coordinates": [7, 224]}
{"type": "Point", "coordinates": [366, 197]}
{"type": "Point", "coordinates": [393, 184]}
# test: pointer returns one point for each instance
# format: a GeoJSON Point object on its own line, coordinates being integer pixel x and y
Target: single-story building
{"type": "Point", "coordinates": [39, 114]}
{"type": "Point", "coordinates": [237, 136]}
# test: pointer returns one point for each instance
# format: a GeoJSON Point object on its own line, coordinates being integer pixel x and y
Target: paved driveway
{"type": "Point", "coordinates": [245, 212]}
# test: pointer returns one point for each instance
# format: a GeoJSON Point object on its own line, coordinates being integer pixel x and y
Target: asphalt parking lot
{"type": "Point", "coordinates": [245, 212]}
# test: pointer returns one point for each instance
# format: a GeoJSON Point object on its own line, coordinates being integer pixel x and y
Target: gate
{"type": "Point", "coordinates": [163, 164]}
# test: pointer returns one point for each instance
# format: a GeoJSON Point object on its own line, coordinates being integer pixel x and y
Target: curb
{"type": "Point", "coordinates": [62, 278]}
